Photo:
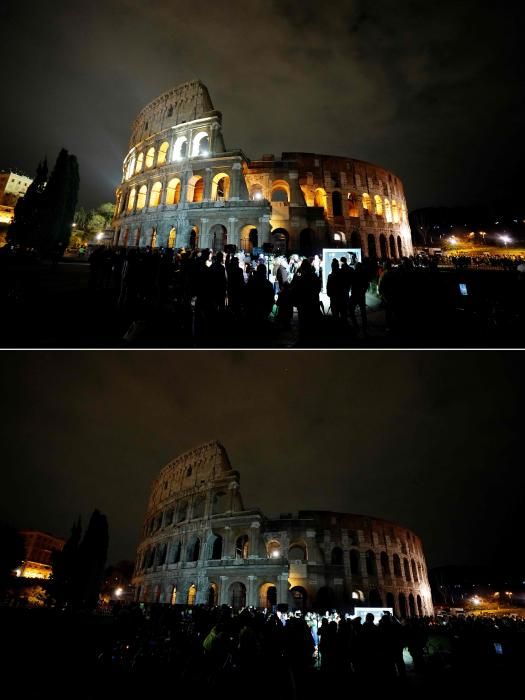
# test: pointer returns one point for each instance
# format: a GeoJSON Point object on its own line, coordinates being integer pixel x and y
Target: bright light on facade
{"type": "Point", "coordinates": [118, 592]}
{"type": "Point", "coordinates": [276, 553]}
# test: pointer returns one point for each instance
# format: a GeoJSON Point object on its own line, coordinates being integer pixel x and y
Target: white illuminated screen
{"type": "Point", "coordinates": [376, 612]}
{"type": "Point", "coordinates": [352, 255]}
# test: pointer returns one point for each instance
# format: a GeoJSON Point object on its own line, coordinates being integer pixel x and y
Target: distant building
{"type": "Point", "coordinates": [39, 547]}
{"type": "Point", "coordinates": [12, 187]}
{"type": "Point", "coordinates": [201, 545]}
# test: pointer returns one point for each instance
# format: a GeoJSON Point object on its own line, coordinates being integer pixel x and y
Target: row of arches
{"type": "Point", "coordinates": [138, 199]}
{"type": "Point", "coordinates": [187, 509]}
{"type": "Point", "coordinates": [147, 159]}
{"type": "Point", "coordinates": [175, 552]}
{"type": "Point", "coordinates": [392, 212]}
{"type": "Point", "coordinates": [407, 570]}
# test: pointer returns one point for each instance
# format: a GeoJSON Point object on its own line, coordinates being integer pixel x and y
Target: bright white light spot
{"type": "Point", "coordinates": [99, 236]}
{"type": "Point", "coordinates": [205, 154]}
{"type": "Point", "coordinates": [119, 592]}
{"type": "Point", "coordinates": [276, 553]}
{"type": "Point", "coordinates": [258, 195]}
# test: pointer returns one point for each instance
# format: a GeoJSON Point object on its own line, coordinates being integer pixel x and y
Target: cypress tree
{"type": "Point", "coordinates": [26, 228]}
{"type": "Point", "coordinates": [91, 562]}
{"type": "Point", "coordinates": [64, 565]}
{"type": "Point", "coordinates": [60, 201]}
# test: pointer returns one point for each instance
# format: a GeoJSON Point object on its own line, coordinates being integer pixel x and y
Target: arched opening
{"type": "Point", "coordinates": [385, 564]}
{"type": "Point", "coordinates": [280, 194]}
{"type": "Point", "coordinates": [168, 517]}
{"type": "Point", "coordinates": [400, 247]}
{"type": "Point", "coordinates": [372, 253]}
{"type": "Point", "coordinates": [358, 595]}
{"type": "Point", "coordinates": [395, 212]}
{"type": "Point", "coordinates": [388, 211]}
{"type": "Point", "coordinates": [173, 191]}
{"type": "Point", "coordinates": [163, 153]}
{"type": "Point", "coordinates": [354, 562]}
{"type": "Point", "coordinates": [280, 239]}
{"type": "Point", "coordinates": [353, 208]}
{"type": "Point", "coordinates": [194, 238]}
{"type": "Point", "coordinates": [141, 198]}
{"type": "Point", "coordinates": [355, 239]}
{"type": "Point", "coordinates": [156, 192]}
{"type": "Point", "coordinates": [201, 145]}
{"type": "Point", "coordinates": [175, 553]}
{"type": "Point", "coordinates": [172, 238]}
{"type": "Point", "coordinates": [131, 167]}
{"type": "Point", "coordinates": [182, 511]}
{"type": "Point", "coordinates": [414, 572]}
{"type": "Point", "coordinates": [256, 192]}
{"type": "Point", "coordinates": [392, 243]}
{"type": "Point", "coordinates": [320, 198]}
{"type": "Point", "coordinates": [253, 239]}
{"type": "Point", "coordinates": [238, 595]}
{"type": "Point", "coordinates": [390, 601]}
{"type": "Point", "coordinates": [156, 594]}
{"type": "Point", "coordinates": [161, 555]}
{"type": "Point", "coordinates": [218, 237]}
{"type": "Point", "coordinates": [241, 547]}
{"type": "Point", "coordinates": [131, 199]}
{"type": "Point", "coordinates": [220, 187]}
{"type": "Point", "coordinates": [411, 605]}
{"type": "Point", "coordinates": [402, 605]}
{"type": "Point", "coordinates": [199, 506]}
{"type": "Point", "coordinates": [325, 599]}
{"type": "Point", "coordinates": [306, 242]}
{"type": "Point", "coordinates": [397, 566]}
{"type": "Point", "coordinates": [221, 503]}
{"type": "Point", "coordinates": [337, 204]}
{"type": "Point", "coordinates": [297, 552]}
{"type": "Point", "coordinates": [195, 189]}
{"type": "Point", "coordinates": [374, 599]}
{"type": "Point", "coordinates": [269, 597]}
{"type": "Point", "coordinates": [192, 594]}
{"type": "Point", "coordinates": [419, 606]}
{"type": "Point", "coordinates": [337, 556]}
{"type": "Point", "coordinates": [339, 239]}
{"type": "Point", "coordinates": [382, 246]}
{"type": "Point", "coordinates": [299, 598]}
{"type": "Point", "coordinates": [367, 204]}
{"type": "Point", "coordinates": [173, 596]}
{"type": "Point", "coordinates": [150, 157]}
{"type": "Point", "coordinates": [180, 148]}
{"type": "Point", "coordinates": [216, 548]}
{"type": "Point", "coordinates": [379, 205]}
{"type": "Point", "coordinates": [371, 566]}
{"type": "Point", "coordinates": [140, 163]}
{"type": "Point", "coordinates": [274, 549]}
{"type": "Point", "coordinates": [194, 548]}
{"type": "Point", "coordinates": [406, 566]}
{"type": "Point", "coordinates": [212, 595]}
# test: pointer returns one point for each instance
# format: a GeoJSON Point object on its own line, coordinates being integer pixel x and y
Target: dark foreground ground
{"type": "Point", "coordinates": [64, 656]}
{"type": "Point", "coordinates": [55, 306]}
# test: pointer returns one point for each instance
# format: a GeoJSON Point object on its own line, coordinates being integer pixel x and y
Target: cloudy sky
{"type": "Point", "coordinates": [430, 440]}
{"type": "Point", "coordinates": [432, 91]}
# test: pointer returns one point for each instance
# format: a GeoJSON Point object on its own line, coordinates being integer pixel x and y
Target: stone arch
{"type": "Point", "coordinates": [131, 199]}
{"type": "Point", "coordinates": [397, 566]}
{"type": "Point", "coordinates": [141, 197]}
{"type": "Point", "coordinates": [280, 240]}
{"type": "Point", "coordinates": [306, 240]}
{"type": "Point", "coordinates": [325, 598]}
{"type": "Point", "coordinates": [221, 502]}
{"type": "Point", "coordinates": [180, 148]}
{"type": "Point", "coordinates": [355, 562]}
{"type": "Point", "coordinates": [192, 594]}
{"type": "Point", "coordinates": [321, 198]}
{"type": "Point", "coordinates": [242, 547]}
{"type": "Point", "coordinates": [161, 554]}
{"type": "Point", "coordinates": [280, 191]}
{"type": "Point", "coordinates": [392, 244]}
{"type": "Point", "coordinates": [378, 205]}
{"type": "Point", "coordinates": [383, 247]}
{"type": "Point", "coordinates": [367, 204]}
{"type": "Point", "coordinates": [193, 549]}
{"type": "Point", "coordinates": [371, 564]}
{"type": "Point", "coordinates": [139, 163]}
{"type": "Point", "coordinates": [163, 153]}
{"type": "Point", "coordinates": [337, 556]}
{"type": "Point", "coordinates": [172, 238]}
{"type": "Point", "coordinates": [173, 595]}
{"type": "Point", "coordinates": [194, 238]}
{"type": "Point", "coordinates": [299, 598]}
{"type": "Point", "coordinates": [273, 547]}
{"type": "Point", "coordinates": [237, 595]}
{"type": "Point", "coordinates": [199, 507]}
{"type": "Point", "coordinates": [385, 564]}
{"type": "Point", "coordinates": [399, 246]}
{"type": "Point", "coordinates": [130, 167]}
{"type": "Point", "coordinates": [406, 567]}
{"type": "Point", "coordinates": [213, 598]}
{"type": "Point", "coordinates": [402, 605]}
{"type": "Point", "coordinates": [201, 144]}
{"type": "Point", "coordinates": [395, 212]}
{"type": "Point", "coordinates": [175, 552]}
{"type": "Point", "coordinates": [337, 203]}
{"type": "Point", "coordinates": [411, 605]}
{"type": "Point", "coordinates": [355, 239]}
{"type": "Point", "coordinates": [150, 157]}
{"type": "Point", "coordinates": [256, 192]}
{"type": "Point", "coordinates": [419, 606]}
{"type": "Point", "coordinates": [388, 211]}
{"type": "Point", "coordinates": [155, 194]}
{"type": "Point", "coordinates": [339, 239]}
{"type": "Point", "coordinates": [372, 252]}
{"type": "Point", "coordinates": [358, 595]}
{"type": "Point", "coordinates": [218, 236]}
{"type": "Point", "coordinates": [391, 601]}
{"type": "Point", "coordinates": [182, 511]}
{"type": "Point", "coordinates": [195, 191]}
{"type": "Point", "coordinates": [353, 208]}
{"type": "Point", "coordinates": [268, 595]}
{"type": "Point", "coordinates": [414, 571]}
{"type": "Point", "coordinates": [173, 191]}
{"type": "Point", "coordinates": [215, 546]}
{"type": "Point", "coordinates": [374, 598]}
{"type": "Point", "coordinates": [297, 552]}
{"type": "Point", "coordinates": [220, 187]}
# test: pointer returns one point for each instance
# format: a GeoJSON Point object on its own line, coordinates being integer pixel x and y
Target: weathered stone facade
{"type": "Point", "coordinates": [181, 187]}
{"type": "Point", "coordinates": [200, 545]}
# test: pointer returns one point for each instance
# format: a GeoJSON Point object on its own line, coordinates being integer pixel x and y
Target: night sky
{"type": "Point", "coordinates": [432, 91]}
{"type": "Point", "coordinates": [433, 441]}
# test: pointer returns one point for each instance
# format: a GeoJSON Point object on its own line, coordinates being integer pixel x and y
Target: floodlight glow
{"type": "Point", "coordinates": [258, 195]}
{"type": "Point", "coordinates": [119, 592]}
{"type": "Point", "coordinates": [99, 236]}
{"type": "Point", "coordinates": [276, 553]}
{"type": "Point", "coordinates": [506, 239]}
{"type": "Point", "coordinates": [205, 153]}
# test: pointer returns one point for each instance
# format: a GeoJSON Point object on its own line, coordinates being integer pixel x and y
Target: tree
{"type": "Point", "coordinates": [60, 201]}
{"type": "Point", "coordinates": [26, 228]}
{"type": "Point", "coordinates": [107, 211]}
{"type": "Point", "coordinates": [96, 223]}
{"type": "Point", "coordinates": [92, 554]}
{"type": "Point", "coordinates": [12, 553]}
{"type": "Point", "coordinates": [64, 565]}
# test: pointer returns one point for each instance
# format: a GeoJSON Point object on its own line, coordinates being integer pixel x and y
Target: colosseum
{"type": "Point", "coordinates": [182, 188]}
{"type": "Point", "coordinates": [200, 545]}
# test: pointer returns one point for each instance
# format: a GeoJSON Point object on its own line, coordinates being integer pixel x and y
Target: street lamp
{"type": "Point", "coordinates": [506, 240]}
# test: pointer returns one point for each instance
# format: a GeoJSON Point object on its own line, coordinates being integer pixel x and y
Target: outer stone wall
{"type": "Point", "coordinates": [200, 545]}
{"type": "Point", "coordinates": [181, 187]}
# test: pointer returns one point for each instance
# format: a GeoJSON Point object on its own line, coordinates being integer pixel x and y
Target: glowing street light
{"type": "Point", "coordinates": [119, 592]}
{"type": "Point", "coordinates": [506, 240]}
{"type": "Point", "coordinates": [453, 240]}
{"type": "Point", "coordinates": [100, 236]}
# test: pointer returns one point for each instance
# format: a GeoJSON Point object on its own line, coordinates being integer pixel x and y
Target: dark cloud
{"type": "Point", "coordinates": [428, 440]}
{"type": "Point", "coordinates": [431, 91]}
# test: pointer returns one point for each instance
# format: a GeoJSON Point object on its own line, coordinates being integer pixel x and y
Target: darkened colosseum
{"type": "Point", "coordinates": [200, 545]}
{"type": "Point", "coordinates": [182, 188]}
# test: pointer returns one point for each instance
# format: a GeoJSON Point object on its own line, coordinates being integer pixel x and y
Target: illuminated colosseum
{"type": "Point", "coordinates": [200, 545]}
{"type": "Point", "coordinates": [182, 188]}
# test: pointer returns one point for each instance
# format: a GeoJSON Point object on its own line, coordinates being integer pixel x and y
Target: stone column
{"type": "Point", "coordinates": [251, 593]}
{"type": "Point", "coordinates": [223, 593]}
{"type": "Point", "coordinates": [231, 231]}
{"type": "Point", "coordinates": [227, 543]}
{"type": "Point", "coordinates": [207, 185]}
{"type": "Point", "coordinates": [264, 229]}
{"type": "Point", "coordinates": [235, 181]}
{"type": "Point", "coordinates": [296, 193]}
{"type": "Point", "coordinates": [282, 588]}
{"type": "Point", "coordinates": [254, 540]}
